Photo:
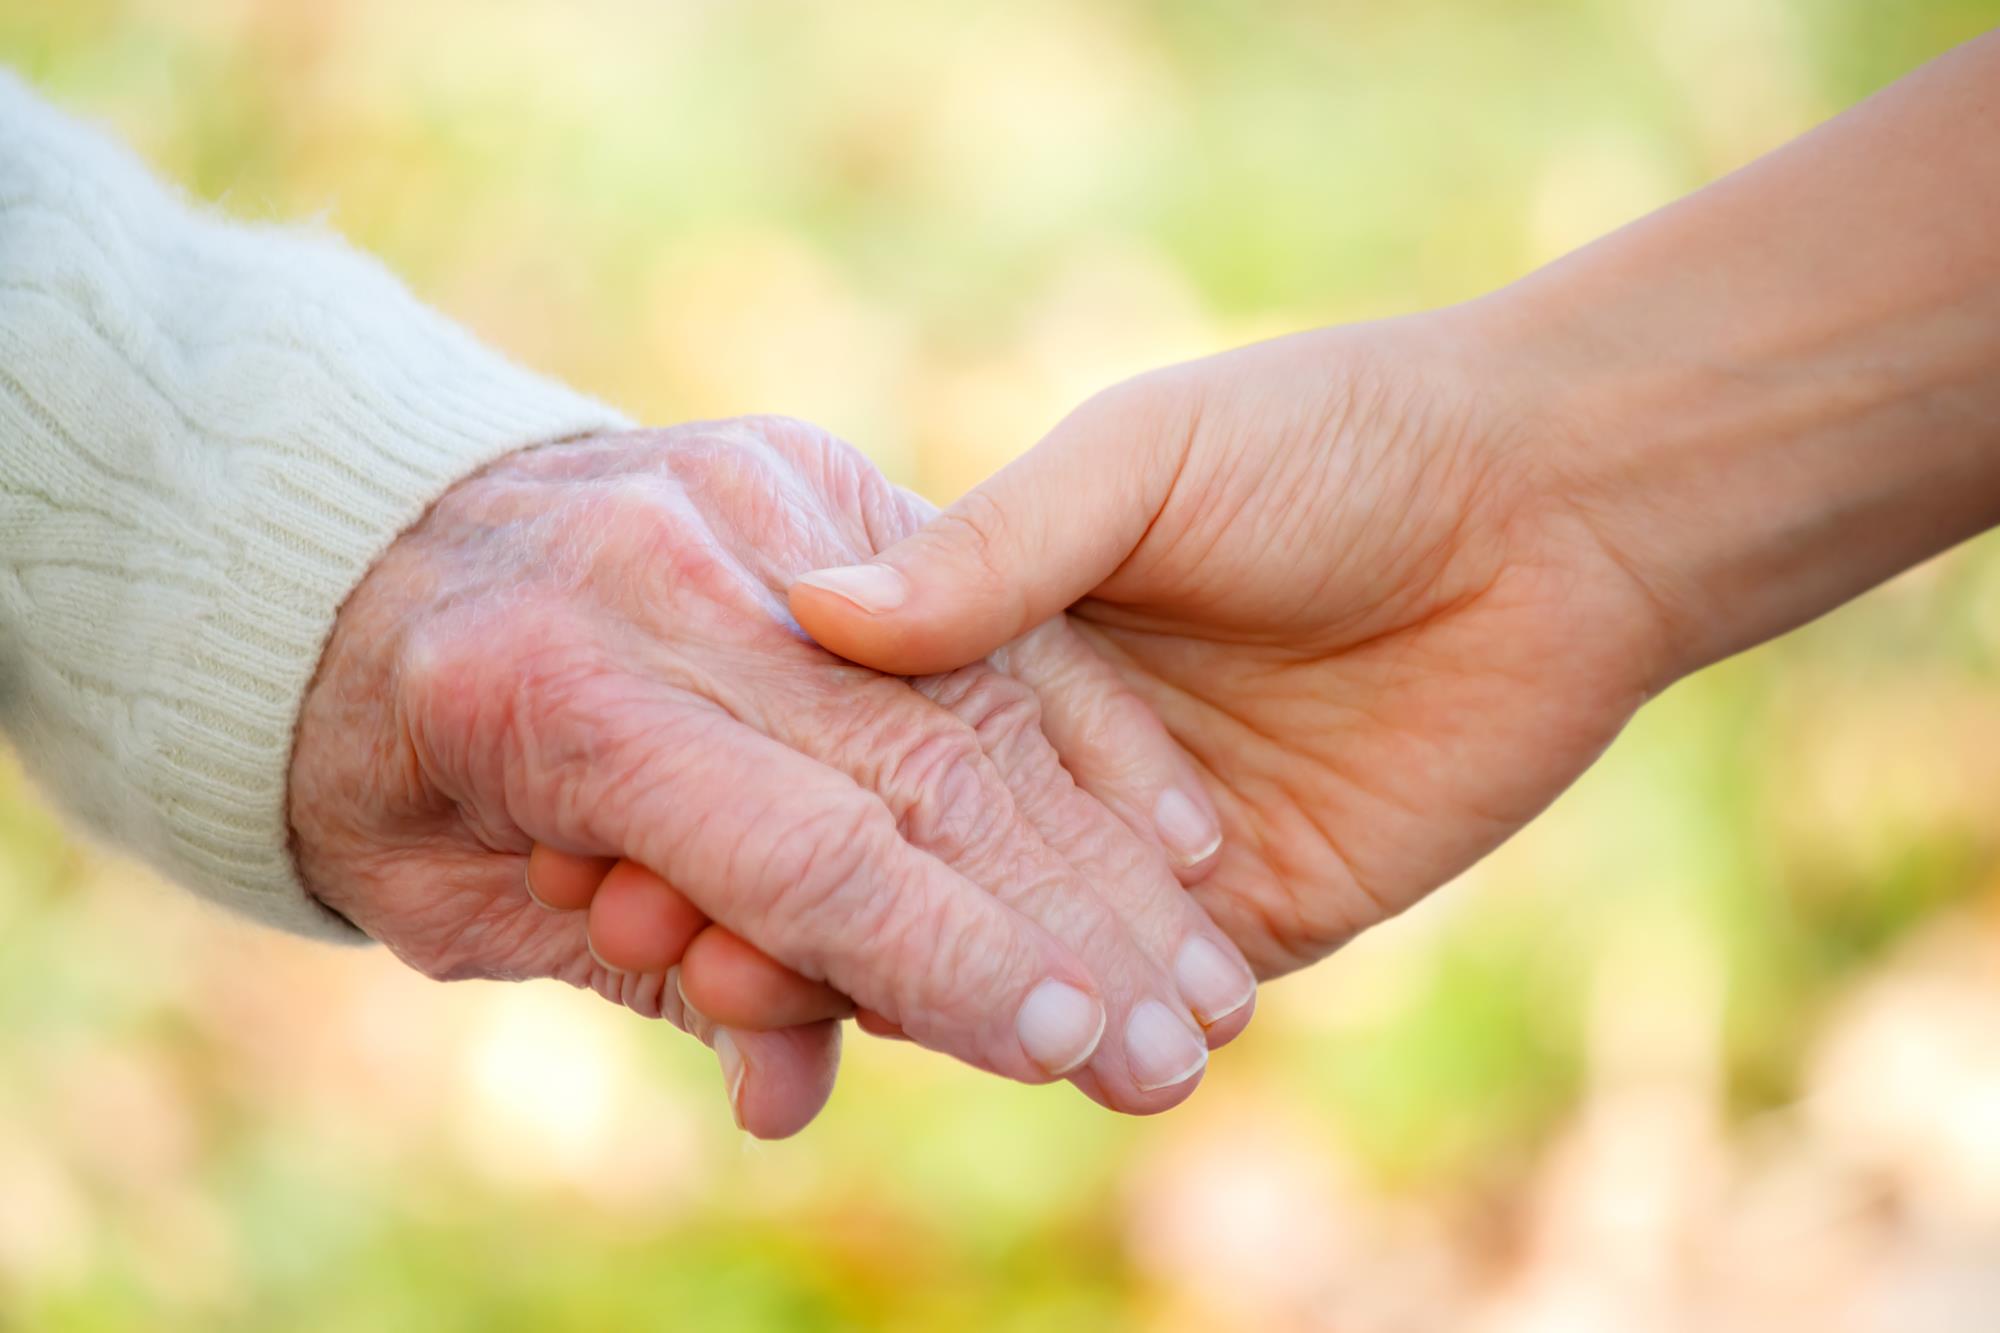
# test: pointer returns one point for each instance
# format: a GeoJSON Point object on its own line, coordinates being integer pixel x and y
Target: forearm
{"type": "Point", "coordinates": [1786, 388]}
{"type": "Point", "coordinates": [207, 433]}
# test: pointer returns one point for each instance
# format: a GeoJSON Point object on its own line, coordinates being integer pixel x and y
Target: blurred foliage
{"type": "Point", "coordinates": [1609, 1073]}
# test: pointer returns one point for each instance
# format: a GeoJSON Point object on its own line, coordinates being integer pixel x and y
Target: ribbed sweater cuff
{"type": "Point", "coordinates": [311, 526]}
{"type": "Point", "coordinates": [208, 433]}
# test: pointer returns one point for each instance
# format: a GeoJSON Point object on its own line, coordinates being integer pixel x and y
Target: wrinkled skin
{"type": "Point", "coordinates": [1350, 576]}
{"type": "Point", "coordinates": [588, 646]}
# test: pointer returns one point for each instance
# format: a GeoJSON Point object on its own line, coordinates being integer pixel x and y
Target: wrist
{"type": "Point", "coordinates": [1558, 491]}
{"type": "Point", "coordinates": [1749, 465]}
{"type": "Point", "coordinates": [1624, 450]}
{"type": "Point", "coordinates": [356, 779]}
{"type": "Point", "coordinates": [1769, 397]}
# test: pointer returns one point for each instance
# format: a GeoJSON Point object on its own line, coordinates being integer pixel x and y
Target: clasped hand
{"type": "Point", "coordinates": [587, 647]}
{"type": "Point", "coordinates": [1247, 655]}
{"type": "Point", "coordinates": [1366, 586]}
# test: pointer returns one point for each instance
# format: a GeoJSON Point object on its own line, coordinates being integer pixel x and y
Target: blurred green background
{"type": "Point", "coordinates": [1715, 1045]}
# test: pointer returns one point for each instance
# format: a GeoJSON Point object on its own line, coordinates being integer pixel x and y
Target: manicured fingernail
{"type": "Point", "coordinates": [1059, 1026]}
{"type": "Point", "coordinates": [1161, 1048]}
{"type": "Point", "coordinates": [873, 588]}
{"type": "Point", "coordinates": [733, 1071]}
{"type": "Point", "coordinates": [528, 882]}
{"type": "Point", "coordinates": [1185, 827]}
{"type": "Point", "coordinates": [1213, 984]}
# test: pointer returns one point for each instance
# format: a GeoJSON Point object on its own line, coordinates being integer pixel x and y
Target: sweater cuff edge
{"type": "Point", "coordinates": [308, 533]}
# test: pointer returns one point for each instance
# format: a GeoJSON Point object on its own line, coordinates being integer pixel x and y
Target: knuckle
{"type": "Point", "coordinates": [733, 464]}
{"type": "Point", "coordinates": [1118, 728]}
{"type": "Point", "coordinates": [718, 454]}
{"type": "Point", "coordinates": [939, 792]}
{"type": "Point", "coordinates": [1000, 711]}
{"type": "Point", "coordinates": [792, 438]}
{"type": "Point", "coordinates": [444, 685]}
{"type": "Point", "coordinates": [840, 472]}
{"type": "Point", "coordinates": [751, 504]}
{"type": "Point", "coordinates": [479, 690]}
{"type": "Point", "coordinates": [637, 521]}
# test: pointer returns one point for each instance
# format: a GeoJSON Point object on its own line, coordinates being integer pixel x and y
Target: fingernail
{"type": "Point", "coordinates": [591, 945]}
{"type": "Point", "coordinates": [733, 1070]}
{"type": "Point", "coordinates": [1161, 1048]}
{"type": "Point", "coordinates": [1213, 984]}
{"type": "Point", "coordinates": [1187, 830]}
{"type": "Point", "coordinates": [1059, 1026]}
{"type": "Point", "coordinates": [873, 588]}
{"type": "Point", "coordinates": [688, 1015]}
{"type": "Point", "coordinates": [528, 883]}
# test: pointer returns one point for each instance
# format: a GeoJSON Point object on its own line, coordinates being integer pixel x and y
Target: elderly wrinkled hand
{"type": "Point", "coordinates": [587, 646]}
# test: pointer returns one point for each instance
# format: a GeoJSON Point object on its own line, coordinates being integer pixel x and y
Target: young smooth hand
{"type": "Point", "coordinates": [1337, 568]}
{"type": "Point", "coordinates": [1394, 586]}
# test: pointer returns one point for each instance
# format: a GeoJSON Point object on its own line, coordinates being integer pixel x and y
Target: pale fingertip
{"type": "Point", "coordinates": [528, 883]}
{"type": "Point", "coordinates": [1213, 984]}
{"type": "Point", "coordinates": [1189, 832]}
{"type": "Point", "coordinates": [1059, 1026]}
{"type": "Point", "coordinates": [598, 958]}
{"type": "Point", "coordinates": [1161, 1048]}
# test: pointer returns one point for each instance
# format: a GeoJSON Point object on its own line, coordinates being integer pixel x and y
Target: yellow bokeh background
{"type": "Point", "coordinates": [1715, 1045]}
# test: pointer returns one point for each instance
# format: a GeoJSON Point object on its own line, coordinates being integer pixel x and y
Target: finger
{"type": "Point", "coordinates": [564, 881]}
{"type": "Point", "coordinates": [932, 766]}
{"type": "Point", "coordinates": [795, 857]}
{"type": "Point", "coordinates": [738, 984]}
{"type": "Point", "coordinates": [1025, 544]}
{"type": "Point", "coordinates": [1216, 989]}
{"type": "Point", "coordinates": [875, 1025]}
{"type": "Point", "coordinates": [786, 1076]}
{"type": "Point", "coordinates": [640, 923]}
{"type": "Point", "coordinates": [1116, 747]}
{"type": "Point", "coordinates": [776, 1082]}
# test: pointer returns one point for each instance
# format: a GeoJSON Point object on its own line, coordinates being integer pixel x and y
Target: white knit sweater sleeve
{"type": "Point", "coordinates": [207, 434]}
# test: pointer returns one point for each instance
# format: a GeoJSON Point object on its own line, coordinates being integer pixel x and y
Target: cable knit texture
{"type": "Point", "coordinates": [208, 432]}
